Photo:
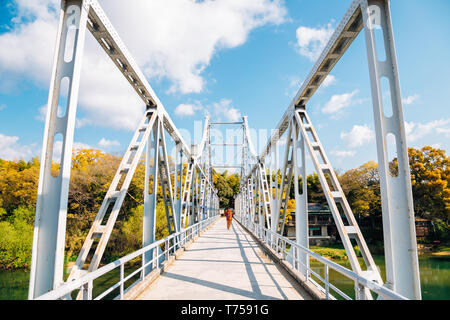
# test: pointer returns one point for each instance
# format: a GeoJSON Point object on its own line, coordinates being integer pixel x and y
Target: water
{"type": "Point", "coordinates": [14, 285]}
{"type": "Point", "coordinates": [434, 276]}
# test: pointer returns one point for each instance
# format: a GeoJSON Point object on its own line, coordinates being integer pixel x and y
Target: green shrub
{"type": "Point", "coordinates": [442, 230]}
{"type": "Point", "coordinates": [330, 252]}
{"type": "Point", "coordinates": [357, 251]}
{"type": "Point", "coordinates": [15, 244]}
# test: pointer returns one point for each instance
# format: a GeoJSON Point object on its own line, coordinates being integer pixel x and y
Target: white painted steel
{"type": "Point", "coordinates": [198, 199]}
{"type": "Point", "coordinates": [347, 231]}
{"type": "Point", "coordinates": [397, 204]}
{"type": "Point", "coordinates": [402, 265]}
{"type": "Point", "coordinates": [265, 235]}
{"type": "Point", "coordinates": [47, 262]}
{"type": "Point", "coordinates": [301, 199]}
{"type": "Point", "coordinates": [67, 288]}
{"type": "Point", "coordinates": [51, 207]}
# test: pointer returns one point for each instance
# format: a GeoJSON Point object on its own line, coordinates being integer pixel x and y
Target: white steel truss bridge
{"type": "Point", "coordinates": [191, 203]}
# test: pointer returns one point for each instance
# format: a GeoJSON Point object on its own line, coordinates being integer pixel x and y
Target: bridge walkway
{"type": "Point", "coordinates": [224, 265]}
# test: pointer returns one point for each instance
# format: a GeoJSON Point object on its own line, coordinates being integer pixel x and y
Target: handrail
{"type": "Point", "coordinates": [88, 279]}
{"type": "Point", "coordinates": [384, 292]}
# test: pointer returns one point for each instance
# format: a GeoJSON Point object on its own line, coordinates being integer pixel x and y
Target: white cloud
{"type": "Point", "coordinates": [312, 41]}
{"type": "Point", "coordinates": [105, 143]}
{"type": "Point", "coordinates": [185, 110]}
{"type": "Point", "coordinates": [294, 84]}
{"type": "Point", "coordinates": [445, 131]}
{"type": "Point", "coordinates": [343, 153]}
{"type": "Point", "coordinates": [329, 80]}
{"type": "Point", "coordinates": [415, 131]}
{"type": "Point", "coordinates": [10, 149]}
{"type": "Point", "coordinates": [42, 113]}
{"type": "Point", "coordinates": [30, 44]}
{"type": "Point", "coordinates": [180, 37]}
{"type": "Point", "coordinates": [411, 99]}
{"type": "Point", "coordinates": [339, 102]}
{"type": "Point", "coordinates": [358, 136]}
{"type": "Point", "coordinates": [224, 108]}
{"type": "Point", "coordinates": [174, 40]}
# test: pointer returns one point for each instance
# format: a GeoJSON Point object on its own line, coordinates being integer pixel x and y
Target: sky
{"type": "Point", "coordinates": [226, 59]}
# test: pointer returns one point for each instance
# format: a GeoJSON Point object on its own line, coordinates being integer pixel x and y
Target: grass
{"type": "Point", "coordinates": [334, 252]}
{"type": "Point", "coordinates": [442, 251]}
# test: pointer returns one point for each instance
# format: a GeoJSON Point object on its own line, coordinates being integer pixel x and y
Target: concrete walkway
{"type": "Point", "coordinates": [224, 265]}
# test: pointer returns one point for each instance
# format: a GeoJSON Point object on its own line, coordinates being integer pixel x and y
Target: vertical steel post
{"type": "Point", "coordinates": [301, 199]}
{"type": "Point", "coordinates": [47, 262]}
{"type": "Point", "coordinates": [122, 284]}
{"type": "Point", "coordinates": [178, 184]}
{"type": "Point", "coordinates": [150, 194]}
{"type": "Point", "coordinates": [402, 266]}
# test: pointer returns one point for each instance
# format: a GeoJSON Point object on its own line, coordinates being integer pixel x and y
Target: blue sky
{"type": "Point", "coordinates": [228, 59]}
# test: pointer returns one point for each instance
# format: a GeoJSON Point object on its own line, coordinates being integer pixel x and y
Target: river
{"type": "Point", "coordinates": [434, 276]}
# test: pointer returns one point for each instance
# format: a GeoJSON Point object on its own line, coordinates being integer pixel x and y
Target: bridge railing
{"type": "Point", "coordinates": [171, 243]}
{"type": "Point", "coordinates": [282, 246]}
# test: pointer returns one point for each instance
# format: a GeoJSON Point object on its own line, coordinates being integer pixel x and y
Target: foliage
{"type": "Point", "coordinates": [331, 253]}
{"type": "Point", "coordinates": [16, 237]}
{"type": "Point", "coordinates": [362, 190]}
{"type": "Point", "coordinates": [430, 179]}
{"type": "Point", "coordinates": [227, 187]}
{"type": "Point", "coordinates": [18, 184]}
{"type": "Point", "coordinates": [93, 171]}
{"type": "Point", "coordinates": [91, 175]}
{"type": "Point", "coordinates": [129, 238]}
{"type": "Point", "coordinates": [334, 253]}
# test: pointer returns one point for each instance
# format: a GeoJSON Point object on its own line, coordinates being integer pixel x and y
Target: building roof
{"type": "Point", "coordinates": [316, 208]}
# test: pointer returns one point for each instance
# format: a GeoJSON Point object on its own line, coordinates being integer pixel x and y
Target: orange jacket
{"type": "Point", "coordinates": [229, 215]}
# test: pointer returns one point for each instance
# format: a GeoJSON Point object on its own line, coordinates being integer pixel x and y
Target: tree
{"type": "Point", "coordinates": [315, 192]}
{"type": "Point", "coordinates": [227, 187]}
{"type": "Point", "coordinates": [430, 179]}
{"type": "Point", "coordinates": [362, 190]}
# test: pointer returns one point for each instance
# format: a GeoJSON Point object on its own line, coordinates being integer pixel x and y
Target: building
{"type": "Point", "coordinates": [423, 227]}
{"type": "Point", "coordinates": [322, 229]}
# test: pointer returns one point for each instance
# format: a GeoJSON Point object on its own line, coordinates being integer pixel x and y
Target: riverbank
{"type": "Point", "coordinates": [337, 252]}
{"type": "Point", "coordinates": [441, 252]}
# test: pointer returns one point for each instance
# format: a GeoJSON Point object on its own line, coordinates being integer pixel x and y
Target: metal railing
{"type": "Point", "coordinates": [171, 244]}
{"type": "Point", "coordinates": [282, 245]}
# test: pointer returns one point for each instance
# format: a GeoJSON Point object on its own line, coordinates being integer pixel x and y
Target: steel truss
{"type": "Point", "coordinates": [402, 270]}
{"type": "Point", "coordinates": [186, 200]}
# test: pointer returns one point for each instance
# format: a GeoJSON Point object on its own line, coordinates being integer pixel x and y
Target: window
{"type": "Point", "coordinates": [315, 231]}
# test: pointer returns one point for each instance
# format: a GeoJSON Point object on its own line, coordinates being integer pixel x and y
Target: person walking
{"type": "Point", "coordinates": [229, 215]}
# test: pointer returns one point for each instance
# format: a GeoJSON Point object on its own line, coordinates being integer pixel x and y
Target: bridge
{"type": "Point", "coordinates": [201, 259]}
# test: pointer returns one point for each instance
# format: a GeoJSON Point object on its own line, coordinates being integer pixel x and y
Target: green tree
{"type": "Point", "coordinates": [227, 187]}
{"type": "Point", "coordinates": [362, 190]}
{"type": "Point", "coordinates": [430, 179]}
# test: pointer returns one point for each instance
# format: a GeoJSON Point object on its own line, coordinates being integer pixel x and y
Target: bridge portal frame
{"type": "Point", "coordinates": [51, 207]}
{"type": "Point", "coordinates": [402, 267]}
